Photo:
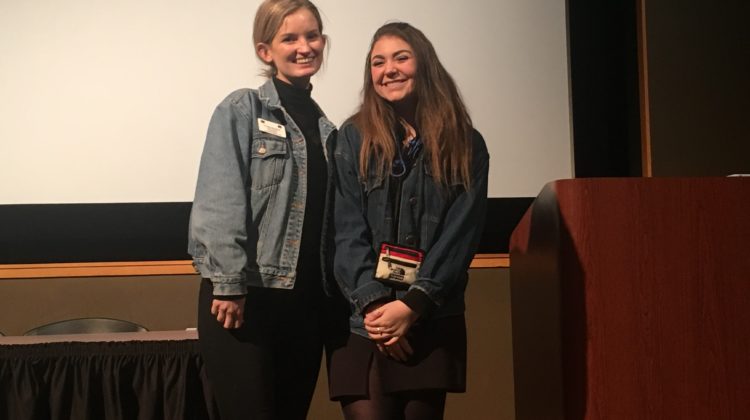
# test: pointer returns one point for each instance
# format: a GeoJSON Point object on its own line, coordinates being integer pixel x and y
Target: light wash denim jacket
{"type": "Point", "coordinates": [445, 222]}
{"type": "Point", "coordinates": [246, 219]}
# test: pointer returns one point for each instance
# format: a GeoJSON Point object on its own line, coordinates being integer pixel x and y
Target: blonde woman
{"type": "Point", "coordinates": [258, 222]}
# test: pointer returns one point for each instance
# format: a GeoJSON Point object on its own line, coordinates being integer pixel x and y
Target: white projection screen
{"type": "Point", "coordinates": [109, 101]}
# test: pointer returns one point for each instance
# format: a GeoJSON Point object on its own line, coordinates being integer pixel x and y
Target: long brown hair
{"type": "Point", "coordinates": [441, 117]}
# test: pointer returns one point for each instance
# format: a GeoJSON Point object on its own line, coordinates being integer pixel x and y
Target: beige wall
{"type": "Point", "coordinates": [170, 303]}
{"type": "Point", "coordinates": [156, 302]}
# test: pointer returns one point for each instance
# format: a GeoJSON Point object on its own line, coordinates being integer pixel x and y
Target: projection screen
{"type": "Point", "coordinates": [109, 101]}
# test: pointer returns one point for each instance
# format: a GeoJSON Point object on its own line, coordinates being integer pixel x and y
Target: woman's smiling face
{"type": "Point", "coordinates": [393, 67]}
{"type": "Point", "coordinates": [296, 50]}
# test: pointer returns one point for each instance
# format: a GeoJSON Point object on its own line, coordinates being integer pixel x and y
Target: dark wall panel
{"type": "Point", "coordinates": [50, 233]}
{"type": "Point", "coordinates": [603, 54]}
{"type": "Point", "coordinates": [699, 89]}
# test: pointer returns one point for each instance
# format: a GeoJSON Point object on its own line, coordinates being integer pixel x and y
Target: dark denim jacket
{"type": "Point", "coordinates": [444, 222]}
{"type": "Point", "coordinates": [249, 206]}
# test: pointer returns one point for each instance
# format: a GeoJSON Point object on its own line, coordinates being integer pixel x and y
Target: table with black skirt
{"type": "Point", "coordinates": [146, 375]}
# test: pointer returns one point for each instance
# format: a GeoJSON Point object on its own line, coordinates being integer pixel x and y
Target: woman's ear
{"type": "Point", "coordinates": [264, 52]}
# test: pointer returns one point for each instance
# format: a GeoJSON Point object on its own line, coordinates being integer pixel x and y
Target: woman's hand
{"type": "Point", "coordinates": [400, 349]}
{"type": "Point", "coordinates": [388, 322]}
{"type": "Point", "coordinates": [229, 312]}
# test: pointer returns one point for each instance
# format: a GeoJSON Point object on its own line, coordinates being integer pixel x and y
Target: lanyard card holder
{"type": "Point", "coordinates": [398, 265]}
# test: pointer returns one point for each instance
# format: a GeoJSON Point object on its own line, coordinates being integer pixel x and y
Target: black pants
{"type": "Point", "coordinates": [268, 368]}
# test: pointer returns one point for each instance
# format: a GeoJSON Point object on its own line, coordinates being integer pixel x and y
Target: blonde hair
{"type": "Point", "coordinates": [269, 18]}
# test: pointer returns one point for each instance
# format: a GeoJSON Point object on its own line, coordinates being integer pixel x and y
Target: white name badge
{"type": "Point", "coordinates": [271, 128]}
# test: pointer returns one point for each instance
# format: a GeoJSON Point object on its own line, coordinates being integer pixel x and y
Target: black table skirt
{"type": "Point", "coordinates": [104, 380]}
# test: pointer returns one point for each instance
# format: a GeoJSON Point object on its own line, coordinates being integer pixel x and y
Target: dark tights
{"type": "Point", "coordinates": [410, 405]}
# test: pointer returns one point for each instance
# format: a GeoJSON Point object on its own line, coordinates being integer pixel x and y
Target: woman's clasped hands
{"type": "Point", "coordinates": [387, 325]}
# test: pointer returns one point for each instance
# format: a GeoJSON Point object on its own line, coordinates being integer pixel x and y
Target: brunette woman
{"type": "Point", "coordinates": [409, 209]}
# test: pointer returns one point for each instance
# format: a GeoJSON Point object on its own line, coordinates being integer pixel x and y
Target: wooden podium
{"type": "Point", "coordinates": [630, 299]}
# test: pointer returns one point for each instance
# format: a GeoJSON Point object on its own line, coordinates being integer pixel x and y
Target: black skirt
{"type": "Point", "coordinates": [438, 362]}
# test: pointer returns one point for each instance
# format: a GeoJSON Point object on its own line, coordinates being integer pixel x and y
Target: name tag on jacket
{"type": "Point", "coordinates": [271, 128]}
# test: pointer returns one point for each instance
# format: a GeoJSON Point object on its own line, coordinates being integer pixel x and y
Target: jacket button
{"type": "Point", "coordinates": [262, 150]}
{"type": "Point", "coordinates": [413, 201]}
{"type": "Point", "coordinates": [410, 239]}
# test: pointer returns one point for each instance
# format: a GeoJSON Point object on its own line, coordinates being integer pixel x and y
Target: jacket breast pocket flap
{"type": "Point", "coordinates": [374, 179]}
{"type": "Point", "coordinates": [269, 156]}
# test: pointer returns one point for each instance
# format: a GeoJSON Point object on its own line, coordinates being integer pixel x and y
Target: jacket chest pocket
{"type": "Point", "coordinates": [268, 159]}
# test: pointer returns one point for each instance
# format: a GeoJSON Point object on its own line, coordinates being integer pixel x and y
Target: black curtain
{"type": "Point", "coordinates": [104, 380]}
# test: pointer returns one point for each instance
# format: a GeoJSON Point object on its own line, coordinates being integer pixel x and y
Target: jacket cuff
{"type": "Point", "coordinates": [367, 294]}
{"type": "Point", "coordinates": [419, 302]}
{"type": "Point", "coordinates": [229, 287]}
{"type": "Point", "coordinates": [229, 297]}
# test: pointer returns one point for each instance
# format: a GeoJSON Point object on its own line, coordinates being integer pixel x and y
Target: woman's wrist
{"type": "Point", "coordinates": [419, 302]}
{"type": "Point", "coordinates": [375, 305]}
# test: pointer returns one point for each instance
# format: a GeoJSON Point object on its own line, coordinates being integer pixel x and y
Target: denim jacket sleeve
{"type": "Point", "coordinates": [449, 257]}
{"type": "Point", "coordinates": [218, 216]}
{"type": "Point", "coordinates": [354, 261]}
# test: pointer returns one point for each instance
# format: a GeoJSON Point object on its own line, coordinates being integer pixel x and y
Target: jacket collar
{"type": "Point", "coordinates": [268, 94]}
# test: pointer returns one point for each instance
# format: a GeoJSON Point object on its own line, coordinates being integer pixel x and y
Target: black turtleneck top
{"type": "Point", "coordinates": [305, 113]}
